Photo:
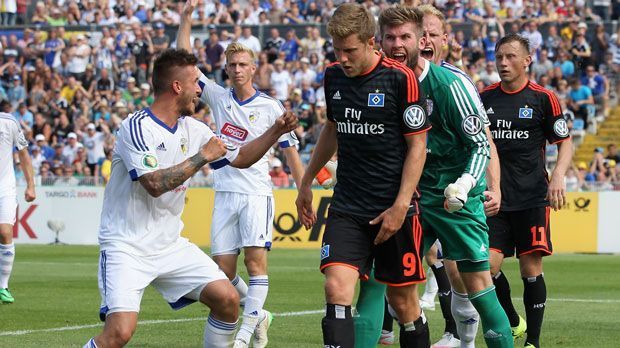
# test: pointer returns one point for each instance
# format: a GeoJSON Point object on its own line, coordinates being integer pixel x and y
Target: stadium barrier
{"type": "Point", "coordinates": [588, 223]}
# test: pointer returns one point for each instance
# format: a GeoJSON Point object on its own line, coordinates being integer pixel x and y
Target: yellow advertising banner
{"type": "Point", "coordinates": [287, 231]}
{"type": "Point", "coordinates": [574, 227]}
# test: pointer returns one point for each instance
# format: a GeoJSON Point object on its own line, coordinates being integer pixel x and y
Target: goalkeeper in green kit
{"type": "Point", "coordinates": [453, 180]}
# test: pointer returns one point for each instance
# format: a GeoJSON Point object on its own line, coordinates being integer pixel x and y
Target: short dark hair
{"type": "Point", "coordinates": [525, 43]}
{"type": "Point", "coordinates": [166, 64]}
{"type": "Point", "coordinates": [399, 15]}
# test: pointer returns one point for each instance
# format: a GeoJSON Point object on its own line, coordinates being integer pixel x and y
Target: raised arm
{"type": "Point", "coordinates": [185, 27]}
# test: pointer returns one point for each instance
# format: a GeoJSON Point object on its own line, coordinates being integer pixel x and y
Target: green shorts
{"type": "Point", "coordinates": [463, 234]}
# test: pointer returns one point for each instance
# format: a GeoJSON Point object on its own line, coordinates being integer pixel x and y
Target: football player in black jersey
{"type": "Point", "coordinates": [377, 123]}
{"type": "Point", "coordinates": [524, 117]}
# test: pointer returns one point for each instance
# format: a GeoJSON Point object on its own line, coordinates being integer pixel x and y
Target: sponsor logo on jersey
{"type": "Point", "coordinates": [414, 117]}
{"type": "Point", "coordinates": [472, 125]}
{"type": "Point", "coordinates": [161, 147]}
{"type": "Point", "coordinates": [336, 96]}
{"type": "Point", "coordinates": [483, 248]}
{"type": "Point", "coordinates": [376, 100]}
{"type": "Point", "coordinates": [325, 251]}
{"type": "Point", "coordinates": [234, 131]}
{"type": "Point", "coordinates": [184, 146]}
{"type": "Point", "coordinates": [525, 112]}
{"type": "Point", "coordinates": [149, 161]}
{"type": "Point", "coordinates": [490, 111]}
{"type": "Point", "coordinates": [560, 128]}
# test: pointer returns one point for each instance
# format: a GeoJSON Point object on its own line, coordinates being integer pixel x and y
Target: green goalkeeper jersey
{"type": "Point", "coordinates": [457, 142]}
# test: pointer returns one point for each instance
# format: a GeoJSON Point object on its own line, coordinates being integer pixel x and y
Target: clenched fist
{"type": "Point", "coordinates": [213, 150]}
{"type": "Point", "coordinates": [287, 122]}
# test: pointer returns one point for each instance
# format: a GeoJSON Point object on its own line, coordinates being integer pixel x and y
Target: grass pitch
{"type": "Point", "coordinates": [57, 302]}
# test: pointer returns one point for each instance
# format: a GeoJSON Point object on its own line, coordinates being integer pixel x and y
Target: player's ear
{"type": "Point", "coordinates": [176, 87]}
{"type": "Point", "coordinates": [528, 61]}
{"type": "Point", "coordinates": [371, 42]}
{"type": "Point", "coordinates": [422, 42]}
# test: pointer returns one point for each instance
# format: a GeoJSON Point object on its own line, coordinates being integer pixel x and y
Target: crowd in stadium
{"type": "Point", "coordinates": [70, 89]}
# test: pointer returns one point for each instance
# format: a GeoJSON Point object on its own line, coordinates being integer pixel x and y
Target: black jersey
{"type": "Point", "coordinates": [373, 113]}
{"type": "Point", "coordinates": [521, 124]}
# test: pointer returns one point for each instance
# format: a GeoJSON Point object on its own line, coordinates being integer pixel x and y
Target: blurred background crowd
{"type": "Point", "coordinates": [71, 71]}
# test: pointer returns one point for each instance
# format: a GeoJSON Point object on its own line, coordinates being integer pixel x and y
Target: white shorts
{"type": "Point", "coordinates": [179, 275]}
{"type": "Point", "coordinates": [241, 220]}
{"type": "Point", "coordinates": [8, 209]}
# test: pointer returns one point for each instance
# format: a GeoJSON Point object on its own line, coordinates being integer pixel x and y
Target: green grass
{"type": "Point", "coordinates": [56, 287]}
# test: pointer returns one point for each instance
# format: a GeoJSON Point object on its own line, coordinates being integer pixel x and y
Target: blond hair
{"type": "Point", "coordinates": [349, 19]}
{"type": "Point", "coordinates": [399, 15]}
{"type": "Point", "coordinates": [428, 9]}
{"type": "Point", "coordinates": [236, 47]}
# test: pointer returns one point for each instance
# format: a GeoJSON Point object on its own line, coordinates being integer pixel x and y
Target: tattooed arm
{"type": "Point", "coordinates": [161, 181]}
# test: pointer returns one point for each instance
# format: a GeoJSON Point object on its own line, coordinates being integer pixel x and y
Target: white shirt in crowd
{"type": "Point", "coordinates": [94, 147]}
{"type": "Point", "coordinates": [239, 123]}
{"type": "Point", "coordinates": [11, 137]}
{"type": "Point", "coordinates": [280, 82]}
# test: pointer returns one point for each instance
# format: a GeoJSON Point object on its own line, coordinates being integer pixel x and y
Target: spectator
{"type": "Point", "coordinates": [567, 66]}
{"type": "Point", "coordinates": [279, 178]}
{"type": "Point", "coordinates": [53, 46]}
{"type": "Point", "coordinates": [582, 55]}
{"type": "Point", "coordinates": [24, 117]}
{"type": "Point", "coordinates": [37, 158]}
{"type": "Point", "coordinates": [273, 44]}
{"type": "Point", "coordinates": [16, 93]}
{"type": "Point", "coordinates": [161, 41]}
{"type": "Point", "coordinates": [46, 150]}
{"type": "Point", "coordinates": [489, 41]}
{"type": "Point", "coordinates": [581, 100]}
{"type": "Point", "coordinates": [145, 99]}
{"type": "Point", "coordinates": [598, 85]}
{"type": "Point", "coordinates": [202, 178]}
{"type": "Point", "coordinates": [612, 153]}
{"type": "Point", "coordinates": [543, 65]}
{"type": "Point", "coordinates": [105, 84]}
{"type": "Point", "coordinates": [600, 45]}
{"type": "Point", "coordinates": [281, 81]}
{"type": "Point", "coordinates": [291, 46]}
{"type": "Point", "coordinates": [79, 55]}
{"type": "Point", "coordinates": [62, 128]}
{"type": "Point", "coordinates": [248, 40]}
{"type": "Point", "coordinates": [305, 74]}
{"type": "Point", "coordinates": [106, 166]}
{"type": "Point", "coordinates": [94, 142]}
{"type": "Point", "coordinates": [572, 180]}
{"type": "Point", "coordinates": [489, 75]}
{"type": "Point", "coordinates": [262, 78]}
{"type": "Point", "coordinates": [70, 151]}
{"type": "Point", "coordinates": [215, 58]}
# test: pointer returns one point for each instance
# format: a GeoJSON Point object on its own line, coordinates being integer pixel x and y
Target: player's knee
{"type": "Point", "coordinates": [337, 292]}
{"type": "Point", "coordinates": [256, 266]}
{"type": "Point", "coordinates": [226, 307]}
{"type": "Point", "coordinates": [118, 336]}
{"type": "Point", "coordinates": [6, 234]}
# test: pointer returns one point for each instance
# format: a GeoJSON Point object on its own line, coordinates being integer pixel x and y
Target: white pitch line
{"type": "Point", "coordinates": [284, 314]}
{"type": "Point", "coordinates": [144, 322]}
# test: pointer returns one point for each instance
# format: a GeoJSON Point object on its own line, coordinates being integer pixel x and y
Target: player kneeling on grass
{"type": "Point", "coordinates": [157, 150]}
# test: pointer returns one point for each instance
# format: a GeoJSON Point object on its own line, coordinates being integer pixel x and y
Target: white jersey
{"type": "Point", "coordinates": [471, 89]}
{"type": "Point", "coordinates": [239, 123]}
{"type": "Point", "coordinates": [11, 136]}
{"type": "Point", "coordinates": [132, 220]}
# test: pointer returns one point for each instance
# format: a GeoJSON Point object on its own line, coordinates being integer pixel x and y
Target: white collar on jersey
{"type": "Point", "coordinates": [427, 66]}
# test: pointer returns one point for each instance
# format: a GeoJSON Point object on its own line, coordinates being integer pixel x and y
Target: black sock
{"type": "Point", "coordinates": [415, 334]}
{"type": "Point", "coordinates": [338, 328]}
{"type": "Point", "coordinates": [388, 321]}
{"type": "Point", "coordinates": [534, 299]}
{"type": "Point", "coordinates": [445, 297]}
{"type": "Point", "coordinates": [502, 289]}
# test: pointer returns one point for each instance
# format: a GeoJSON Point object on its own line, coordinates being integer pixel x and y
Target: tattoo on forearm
{"type": "Point", "coordinates": [168, 179]}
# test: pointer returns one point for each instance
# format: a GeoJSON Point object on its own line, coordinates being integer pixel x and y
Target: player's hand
{"type": "Point", "coordinates": [556, 194]}
{"type": "Point", "coordinates": [456, 50]}
{"type": "Point", "coordinates": [214, 149]}
{"type": "Point", "coordinates": [190, 6]}
{"type": "Point", "coordinates": [286, 123]}
{"type": "Point", "coordinates": [30, 195]}
{"type": "Point", "coordinates": [492, 202]}
{"type": "Point", "coordinates": [391, 221]}
{"type": "Point", "coordinates": [456, 196]}
{"type": "Point", "coordinates": [305, 212]}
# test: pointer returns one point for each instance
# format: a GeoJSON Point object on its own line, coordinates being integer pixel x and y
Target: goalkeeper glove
{"type": "Point", "coordinates": [456, 193]}
{"type": "Point", "coordinates": [327, 175]}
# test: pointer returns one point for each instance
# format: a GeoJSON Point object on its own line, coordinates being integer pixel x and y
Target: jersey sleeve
{"type": "Point", "coordinates": [287, 139]}
{"type": "Point", "coordinates": [19, 140]}
{"type": "Point", "coordinates": [555, 125]}
{"type": "Point", "coordinates": [465, 119]}
{"type": "Point", "coordinates": [136, 149]}
{"type": "Point", "coordinates": [412, 109]}
{"type": "Point", "coordinates": [210, 91]}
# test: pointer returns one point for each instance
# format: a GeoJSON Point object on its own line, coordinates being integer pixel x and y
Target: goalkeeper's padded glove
{"type": "Point", "coordinates": [456, 193]}
{"type": "Point", "coordinates": [327, 175]}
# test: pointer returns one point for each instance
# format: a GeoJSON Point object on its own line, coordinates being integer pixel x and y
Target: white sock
{"type": "Point", "coordinates": [466, 317]}
{"type": "Point", "coordinates": [90, 344]}
{"type": "Point", "coordinates": [242, 289]}
{"type": "Point", "coordinates": [7, 256]}
{"type": "Point", "coordinates": [431, 288]}
{"type": "Point", "coordinates": [253, 310]}
{"type": "Point", "coordinates": [219, 334]}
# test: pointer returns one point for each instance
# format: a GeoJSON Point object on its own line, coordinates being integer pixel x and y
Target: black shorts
{"type": "Point", "coordinates": [526, 231]}
{"type": "Point", "coordinates": [349, 241]}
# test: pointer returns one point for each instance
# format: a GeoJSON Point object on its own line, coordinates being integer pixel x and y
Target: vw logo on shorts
{"type": "Point", "coordinates": [472, 125]}
{"type": "Point", "coordinates": [414, 117]}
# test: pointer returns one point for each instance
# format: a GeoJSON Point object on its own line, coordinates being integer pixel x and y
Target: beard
{"type": "Point", "coordinates": [186, 105]}
{"type": "Point", "coordinates": [412, 58]}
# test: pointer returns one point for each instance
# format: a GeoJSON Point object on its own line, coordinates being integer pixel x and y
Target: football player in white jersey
{"type": "Point", "coordinates": [11, 137]}
{"type": "Point", "coordinates": [157, 150]}
{"type": "Point", "coordinates": [244, 207]}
